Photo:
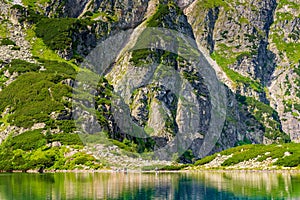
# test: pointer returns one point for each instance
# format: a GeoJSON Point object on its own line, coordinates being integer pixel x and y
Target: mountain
{"type": "Point", "coordinates": [179, 78]}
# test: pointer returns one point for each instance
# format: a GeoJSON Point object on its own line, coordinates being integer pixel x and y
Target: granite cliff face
{"type": "Point", "coordinates": [252, 46]}
{"type": "Point", "coordinates": [260, 41]}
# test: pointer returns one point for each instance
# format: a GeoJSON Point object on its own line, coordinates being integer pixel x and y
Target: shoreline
{"type": "Point", "coordinates": [156, 171]}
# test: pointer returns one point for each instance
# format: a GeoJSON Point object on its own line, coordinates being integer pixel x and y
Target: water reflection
{"type": "Point", "coordinates": [266, 185]}
{"type": "Point", "coordinates": [200, 185]}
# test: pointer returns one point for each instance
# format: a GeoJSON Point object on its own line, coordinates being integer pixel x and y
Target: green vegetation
{"type": "Point", "coordinates": [65, 138]}
{"type": "Point", "coordinates": [29, 140]}
{"type": "Point", "coordinates": [106, 16]}
{"type": "Point", "coordinates": [272, 151]}
{"type": "Point", "coordinates": [46, 158]}
{"type": "Point", "coordinates": [127, 145]}
{"type": "Point", "coordinates": [135, 145]}
{"type": "Point", "coordinates": [36, 4]}
{"type": "Point", "coordinates": [245, 154]}
{"type": "Point", "coordinates": [143, 56]}
{"type": "Point", "coordinates": [297, 107]}
{"type": "Point", "coordinates": [291, 49]}
{"type": "Point", "coordinates": [21, 66]}
{"type": "Point", "coordinates": [174, 167]}
{"type": "Point", "coordinates": [289, 3]}
{"type": "Point", "coordinates": [34, 95]}
{"type": "Point", "coordinates": [28, 15]}
{"type": "Point", "coordinates": [56, 33]}
{"type": "Point", "coordinates": [267, 116]}
{"type": "Point", "coordinates": [162, 10]}
{"type": "Point", "coordinates": [285, 44]}
{"type": "Point", "coordinates": [224, 61]}
{"type": "Point", "coordinates": [207, 4]}
{"type": "Point", "coordinates": [42, 52]}
{"type": "Point", "coordinates": [205, 160]}
{"type": "Point", "coordinates": [243, 20]}
{"type": "Point", "coordinates": [287, 155]}
{"type": "Point", "coordinates": [4, 33]}
{"type": "Point", "coordinates": [29, 151]}
{"type": "Point", "coordinates": [7, 41]}
{"type": "Point", "coordinates": [16, 48]}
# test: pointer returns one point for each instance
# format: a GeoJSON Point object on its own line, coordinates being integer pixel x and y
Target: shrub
{"type": "Point", "coordinates": [82, 158]}
{"type": "Point", "coordinates": [143, 56]}
{"type": "Point", "coordinates": [7, 41]}
{"type": "Point", "coordinates": [66, 139]}
{"type": "Point", "coordinates": [55, 32]}
{"type": "Point", "coordinates": [161, 12]}
{"type": "Point", "coordinates": [16, 48]}
{"type": "Point", "coordinates": [33, 96]}
{"type": "Point", "coordinates": [173, 167]}
{"type": "Point", "coordinates": [29, 140]}
{"type": "Point", "coordinates": [22, 66]}
{"type": "Point", "coordinates": [205, 160]}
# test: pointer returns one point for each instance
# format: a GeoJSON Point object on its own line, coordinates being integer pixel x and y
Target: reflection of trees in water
{"type": "Point", "coordinates": [18, 185]}
{"type": "Point", "coordinates": [203, 185]}
{"type": "Point", "coordinates": [85, 185]}
{"type": "Point", "coordinates": [264, 184]}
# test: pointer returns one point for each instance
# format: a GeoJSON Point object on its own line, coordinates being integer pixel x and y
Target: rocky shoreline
{"type": "Point", "coordinates": [285, 170]}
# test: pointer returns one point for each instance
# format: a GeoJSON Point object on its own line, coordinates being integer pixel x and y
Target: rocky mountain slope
{"type": "Point", "coordinates": [253, 48]}
{"type": "Point", "coordinates": [259, 157]}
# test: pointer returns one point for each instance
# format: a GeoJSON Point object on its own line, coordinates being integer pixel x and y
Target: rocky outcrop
{"type": "Point", "coordinates": [284, 86]}
{"type": "Point", "coordinates": [126, 14]}
{"type": "Point", "coordinates": [225, 34]}
{"type": "Point", "coordinates": [240, 37]}
{"type": "Point", "coordinates": [13, 31]}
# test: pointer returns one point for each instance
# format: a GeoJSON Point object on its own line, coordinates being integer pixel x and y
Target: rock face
{"type": "Point", "coordinates": [252, 39]}
{"type": "Point", "coordinates": [126, 13]}
{"type": "Point", "coordinates": [252, 46]}
{"type": "Point", "coordinates": [13, 31]}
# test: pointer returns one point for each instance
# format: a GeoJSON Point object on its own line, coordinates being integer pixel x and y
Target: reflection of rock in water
{"type": "Point", "coordinates": [264, 184]}
{"type": "Point", "coordinates": [201, 185]}
{"type": "Point", "coordinates": [119, 185]}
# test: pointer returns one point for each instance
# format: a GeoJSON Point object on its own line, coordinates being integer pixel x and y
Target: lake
{"type": "Point", "coordinates": [183, 185]}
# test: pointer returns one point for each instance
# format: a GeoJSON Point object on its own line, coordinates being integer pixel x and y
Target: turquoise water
{"type": "Point", "coordinates": [200, 185]}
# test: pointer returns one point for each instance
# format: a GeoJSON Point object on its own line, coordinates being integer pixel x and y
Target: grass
{"type": "Point", "coordinates": [224, 62]}
{"type": "Point", "coordinates": [290, 4]}
{"type": "Point", "coordinates": [50, 35]}
{"type": "Point", "coordinates": [291, 49]}
{"type": "Point", "coordinates": [42, 52]}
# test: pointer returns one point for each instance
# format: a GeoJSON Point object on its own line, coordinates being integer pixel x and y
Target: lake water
{"type": "Point", "coordinates": [200, 185]}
